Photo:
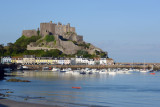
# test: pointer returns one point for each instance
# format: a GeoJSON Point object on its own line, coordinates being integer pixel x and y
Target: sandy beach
{"type": "Point", "coordinates": [10, 103]}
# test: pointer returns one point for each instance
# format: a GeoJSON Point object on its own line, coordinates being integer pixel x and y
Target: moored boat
{"type": "Point", "coordinates": [55, 69]}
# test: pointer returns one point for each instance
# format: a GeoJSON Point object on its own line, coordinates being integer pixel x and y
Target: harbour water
{"type": "Point", "coordinates": [97, 90]}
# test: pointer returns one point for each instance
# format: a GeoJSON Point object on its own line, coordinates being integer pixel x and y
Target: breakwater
{"type": "Point", "coordinates": [39, 67]}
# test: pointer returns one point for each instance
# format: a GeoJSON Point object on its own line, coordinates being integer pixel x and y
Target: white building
{"type": "Point", "coordinates": [29, 59]}
{"type": "Point", "coordinates": [67, 61]}
{"type": "Point", "coordinates": [91, 62]}
{"type": "Point", "coordinates": [6, 60]}
{"type": "Point", "coordinates": [103, 61]}
{"type": "Point", "coordinates": [85, 61]}
{"type": "Point", "coordinates": [78, 60]}
{"type": "Point", "coordinates": [61, 61]}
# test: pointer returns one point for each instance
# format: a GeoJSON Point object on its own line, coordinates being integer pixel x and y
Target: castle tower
{"type": "Point", "coordinates": [47, 28]}
{"type": "Point", "coordinates": [52, 29]}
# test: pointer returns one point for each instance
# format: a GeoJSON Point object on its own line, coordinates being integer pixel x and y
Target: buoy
{"type": "Point", "coordinates": [77, 87]}
{"type": "Point", "coordinates": [152, 73]}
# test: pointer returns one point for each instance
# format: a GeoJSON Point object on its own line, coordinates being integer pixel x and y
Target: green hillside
{"type": "Point", "coordinates": [19, 48]}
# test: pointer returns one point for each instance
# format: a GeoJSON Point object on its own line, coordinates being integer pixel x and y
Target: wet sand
{"type": "Point", "coordinates": [10, 103]}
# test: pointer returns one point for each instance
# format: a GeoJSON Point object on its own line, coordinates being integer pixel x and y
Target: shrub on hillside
{"type": "Point", "coordinates": [49, 38]}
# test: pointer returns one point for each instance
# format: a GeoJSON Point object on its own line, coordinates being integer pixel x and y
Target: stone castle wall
{"type": "Point", "coordinates": [29, 47]}
{"type": "Point", "coordinates": [47, 29]}
{"type": "Point", "coordinates": [29, 33]}
{"type": "Point", "coordinates": [52, 29]}
{"type": "Point", "coordinates": [64, 46]}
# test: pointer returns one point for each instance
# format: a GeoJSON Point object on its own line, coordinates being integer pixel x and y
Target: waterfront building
{"type": "Point", "coordinates": [61, 61]}
{"type": "Point", "coordinates": [6, 60]}
{"type": "Point", "coordinates": [97, 61]}
{"type": "Point", "coordinates": [44, 60]}
{"type": "Point", "coordinates": [91, 62]}
{"type": "Point", "coordinates": [73, 61]}
{"type": "Point", "coordinates": [78, 60]}
{"type": "Point", "coordinates": [109, 61]}
{"type": "Point", "coordinates": [38, 60]}
{"type": "Point", "coordinates": [103, 61]}
{"type": "Point", "coordinates": [50, 60]}
{"type": "Point", "coordinates": [29, 59]}
{"type": "Point", "coordinates": [55, 61]}
{"type": "Point", "coordinates": [67, 61]}
{"type": "Point", "coordinates": [85, 61]}
{"type": "Point", "coordinates": [17, 60]}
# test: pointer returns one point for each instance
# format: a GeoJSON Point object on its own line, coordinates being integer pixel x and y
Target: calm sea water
{"type": "Point", "coordinates": [97, 90]}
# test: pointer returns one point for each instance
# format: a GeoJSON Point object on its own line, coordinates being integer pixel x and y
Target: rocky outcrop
{"type": "Point", "coordinates": [69, 47]}
{"type": "Point", "coordinates": [92, 49]}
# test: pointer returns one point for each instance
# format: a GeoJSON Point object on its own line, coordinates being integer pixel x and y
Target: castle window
{"type": "Point", "coordinates": [46, 30]}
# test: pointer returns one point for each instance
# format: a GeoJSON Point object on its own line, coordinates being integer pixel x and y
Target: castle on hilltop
{"type": "Point", "coordinates": [54, 29]}
{"type": "Point", "coordinates": [65, 39]}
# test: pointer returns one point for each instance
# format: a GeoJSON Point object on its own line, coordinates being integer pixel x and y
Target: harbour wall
{"type": "Point", "coordinates": [39, 67]}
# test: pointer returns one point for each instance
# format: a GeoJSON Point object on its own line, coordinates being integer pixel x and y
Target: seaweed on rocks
{"type": "Point", "coordinates": [17, 80]}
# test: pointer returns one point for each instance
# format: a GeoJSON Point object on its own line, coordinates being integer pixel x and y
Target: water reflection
{"type": "Point", "coordinates": [96, 90]}
{"type": "Point", "coordinates": [56, 75]}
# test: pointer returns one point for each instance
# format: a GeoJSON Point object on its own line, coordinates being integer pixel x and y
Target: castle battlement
{"type": "Point", "coordinates": [55, 29]}
{"type": "Point", "coordinates": [50, 29]}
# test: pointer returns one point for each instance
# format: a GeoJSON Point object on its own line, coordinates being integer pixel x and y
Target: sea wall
{"type": "Point", "coordinates": [39, 67]}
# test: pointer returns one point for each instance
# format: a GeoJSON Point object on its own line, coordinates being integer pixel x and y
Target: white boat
{"type": "Point", "coordinates": [112, 73]}
{"type": "Point", "coordinates": [22, 68]}
{"type": "Point", "coordinates": [67, 70]}
{"type": "Point", "coordinates": [123, 71]}
{"type": "Point", "coordinates": [103, 71]}
{"type": "Point", "coordinates": [144, 70]}
{"type": "Point", "coordinates": [56, 70]}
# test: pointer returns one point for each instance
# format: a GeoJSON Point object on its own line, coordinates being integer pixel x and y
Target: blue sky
{"type": "Point", "coordinates": [128, 29]}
